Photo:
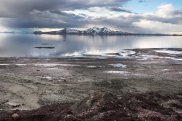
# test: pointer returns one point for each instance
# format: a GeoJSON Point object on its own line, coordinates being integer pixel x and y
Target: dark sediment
{"type": "Point", "coordinates": [103, 106]}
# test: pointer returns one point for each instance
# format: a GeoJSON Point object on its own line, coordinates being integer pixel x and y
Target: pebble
{"type": "Point", "coordinates": [15, 116]}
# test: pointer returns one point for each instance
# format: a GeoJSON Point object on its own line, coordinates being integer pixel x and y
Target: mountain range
{"type": "Point", "coordinates": [98, 31]}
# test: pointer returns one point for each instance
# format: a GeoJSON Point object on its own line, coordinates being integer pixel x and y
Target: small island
{"type": "Point", "coordinates": [103, 31]}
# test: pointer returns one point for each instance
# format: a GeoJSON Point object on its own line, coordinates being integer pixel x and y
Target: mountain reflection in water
{"type": "Point", "coordinates": [28, 45]}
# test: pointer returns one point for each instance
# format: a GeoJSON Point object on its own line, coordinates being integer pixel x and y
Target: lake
{"type": "Point", "coordinates": [29, 45]}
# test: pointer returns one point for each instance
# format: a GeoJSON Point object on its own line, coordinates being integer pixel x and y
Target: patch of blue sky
{"type": "Point", "coordinates": [144, 6]}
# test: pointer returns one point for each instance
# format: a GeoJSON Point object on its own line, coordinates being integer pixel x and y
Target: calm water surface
{"type": "Point", "coordinates": [23, 45]}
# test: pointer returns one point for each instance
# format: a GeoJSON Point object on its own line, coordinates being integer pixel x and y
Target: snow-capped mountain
{"type": "Point", "coordinates": [90, 31]}
{"type": "Point", "coordinates": [97, 31]}
{"type": "Point", "coordinates": [93, 30]}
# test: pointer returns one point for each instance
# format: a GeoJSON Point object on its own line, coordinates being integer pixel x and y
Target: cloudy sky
{"type": "Point", "coordinates": [127, 15]}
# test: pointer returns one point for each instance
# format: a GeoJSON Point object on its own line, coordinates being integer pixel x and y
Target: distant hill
{"type": "Point", "coordinates": [98, 31]}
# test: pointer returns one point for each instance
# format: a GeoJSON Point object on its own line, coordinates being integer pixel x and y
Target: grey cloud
{"type": "Point", "coordinates": [19, 8]}
{"type": "Point", "coordinates": [175, 20]}
{"type": "Point", "coordinates": [47, 13]}
{"type": "Point", "coordinates": [45, 19]}
{"type": "Point", "coordinates": [119, 9]}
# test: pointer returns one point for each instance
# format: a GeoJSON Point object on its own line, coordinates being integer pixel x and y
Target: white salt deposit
{"type": "Point", "coordinates": [20, 64]}
{"type": "Point", "coordinates": [4, 64]}
{"type": "Point", "coordinates": [175, 52]}
{"type": "Point", "coordinates": [91, 66]}
{"type": "Point", "coordinates": [101, 53]}
{"type": "Point", "coordinates": [172, 58]}
{"type": "Point", "coordinates": [74, 54]}
{"type": "Point", "coordinates": [148, 57]}
{"type": "Point", "coordinates": [117, 72]}
{"type": "Point", "coordinates": [47, 77]}
{"type": "Point", "coordinates": [126, 53]}
{"type": "Point", "coordinates": [118, 65]}
{"type": "Point", "coordinates": [54, 64]}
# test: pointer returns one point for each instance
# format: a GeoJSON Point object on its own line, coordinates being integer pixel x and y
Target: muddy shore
{"type": "Point", "coordinates": [153, 77]}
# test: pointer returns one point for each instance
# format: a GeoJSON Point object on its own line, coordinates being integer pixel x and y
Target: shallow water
{"type": "Point", "coordinates": [24, 45]}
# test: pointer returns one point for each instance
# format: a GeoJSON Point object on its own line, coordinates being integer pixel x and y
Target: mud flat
{"type": "Point", "coordinates": [148, 79]}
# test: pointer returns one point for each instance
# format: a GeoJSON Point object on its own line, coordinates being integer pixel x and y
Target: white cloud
{"type": "Point", "coordinates": [158, 27]}
{"type": "Point", "coordinates": [4, 29]}
{"type": "Point", "coordinates": [98, 12]}
{"type": "Point", "coordinates": [165, 11]}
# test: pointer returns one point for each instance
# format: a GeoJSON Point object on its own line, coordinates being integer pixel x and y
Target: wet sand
{"type": "Point", "coordinates": [29, 83]}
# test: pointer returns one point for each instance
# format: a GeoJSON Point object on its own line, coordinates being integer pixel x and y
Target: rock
{"type": "Point", "coordinates": [70, 117]}
{"type": "Point", "coordinates": [15, 116]}
{"type": "Point", "coordinates": [69, 112]}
